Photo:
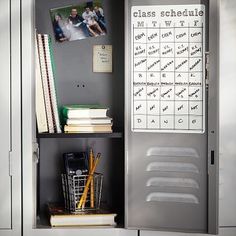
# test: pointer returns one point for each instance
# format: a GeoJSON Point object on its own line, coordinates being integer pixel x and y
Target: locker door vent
{"type": "Point", "coordinates": [172, 182]}
{"type": "Point", "coordinates": [172, 151]}
{"type": "Point", "coordinates": [172, 175]}
{"type": "Point", "coordinates": [172, 166]}
{"type": "Point", "coordinates": [172, 197]}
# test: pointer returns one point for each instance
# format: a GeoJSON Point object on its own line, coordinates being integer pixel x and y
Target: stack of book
{"type": "Point", "coordinates": [46, 101]}
{"type": "Point", "coordinates": [86, 119]}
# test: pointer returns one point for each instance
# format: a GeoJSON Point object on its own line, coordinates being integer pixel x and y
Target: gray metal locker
{"type": "Point", "coordinates": [5, 138]}
{"type": "Point", "coordinates": [172, 115]}
{"type": "Point", "coordinates": [10, 119]}
{"type": "Point", "coordinates": [171, 177]}
{"type": "Point", "coordinates": [227, 193]}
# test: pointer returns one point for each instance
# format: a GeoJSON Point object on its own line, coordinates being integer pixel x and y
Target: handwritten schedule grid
{"type": "Point", "coordinates": [168, 69]}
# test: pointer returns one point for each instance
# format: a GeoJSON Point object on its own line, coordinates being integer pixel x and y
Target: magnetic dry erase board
{"type": "Point", "coordinates": [168, 68]}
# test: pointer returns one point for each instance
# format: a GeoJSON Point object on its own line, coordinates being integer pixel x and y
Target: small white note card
{"type": "Point", "coordinates": [102, 58]}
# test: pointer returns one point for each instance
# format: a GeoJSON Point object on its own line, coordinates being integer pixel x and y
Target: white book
{"type": "Point", "coordinates": [88, 129]}
{"type": "Point", "coordinates": [83, 220]}
{"type": "Point", "coordinates": [87, 113]}
{"type": "Point", "coordinates": [51, 80]}
{"type": "Point", "coordinates": [95, 121]}
{"type": "Point", "coordinates": [46, 91]}
{"type": "Point", "coordinates": [60, 217]}
{"type": "Point", "coordinates": [41, 116]}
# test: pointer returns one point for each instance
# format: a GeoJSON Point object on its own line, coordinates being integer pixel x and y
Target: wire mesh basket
{"type": "Point", "coordinates": [73, 187]}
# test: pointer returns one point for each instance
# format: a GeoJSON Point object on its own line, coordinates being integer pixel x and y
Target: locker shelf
{"type": "Point", "coordinates": [115, 134]}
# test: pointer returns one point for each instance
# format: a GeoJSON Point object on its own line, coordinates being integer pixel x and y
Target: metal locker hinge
{"type": "Point", "coordinates": [36, 152]}
{"type": "Point", "coordinates": [207, 63]}
{"type": "Point", "coordinates": [10, 163]}
{"type": "Point", "coordinates": [127, 163]}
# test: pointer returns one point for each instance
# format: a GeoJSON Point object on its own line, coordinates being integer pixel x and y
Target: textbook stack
{"type": "Point", "coordinates": [86, 119]}
{"type": "Point", "coordinates": [46, 101]}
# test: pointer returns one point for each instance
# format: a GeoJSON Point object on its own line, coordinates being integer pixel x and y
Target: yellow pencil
{"type": "Point", "coordinates": [91, 162]}
{"type": "Point", "coordinates": [86, 188]}
{"type": "Point", "coordinates": [85, 193]}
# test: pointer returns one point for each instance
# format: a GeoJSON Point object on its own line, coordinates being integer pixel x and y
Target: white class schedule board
{"type": "Point", "coordinates": [168, 68]}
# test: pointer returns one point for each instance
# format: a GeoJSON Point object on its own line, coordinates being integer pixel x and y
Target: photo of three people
{"type": "Point", "coordinates": [78, 22]}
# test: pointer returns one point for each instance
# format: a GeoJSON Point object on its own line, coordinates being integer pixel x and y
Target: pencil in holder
{"type": "Point", "coordinates": [73, 188]}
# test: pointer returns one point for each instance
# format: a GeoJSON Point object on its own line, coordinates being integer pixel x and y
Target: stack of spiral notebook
{"type": "Point", "coordinates": [46, 100]}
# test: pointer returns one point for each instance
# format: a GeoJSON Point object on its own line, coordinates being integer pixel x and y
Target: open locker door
{"type": "Point", "coordinates": [171, 115]}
